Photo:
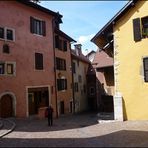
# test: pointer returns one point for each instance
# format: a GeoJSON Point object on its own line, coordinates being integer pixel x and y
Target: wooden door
{"type": "Point", "coordinates": [6, 108]}
{"type": "Point", "coordinates": [31, 103]}
{"type": "Point", "coordinates": [62, 107]}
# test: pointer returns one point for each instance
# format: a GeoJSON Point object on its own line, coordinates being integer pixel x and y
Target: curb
{"type": "Point", "coordinates": [1, 124]}
{"type": "Point", "coordinates": [10, 130]}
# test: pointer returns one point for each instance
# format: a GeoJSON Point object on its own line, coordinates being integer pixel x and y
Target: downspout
{"type": "Point", "coordinates": [72, 83]}
{"type": "Point", "coordinates": [55, 78]}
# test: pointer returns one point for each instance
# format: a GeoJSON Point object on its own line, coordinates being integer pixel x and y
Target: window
{"type": "Point", "coordinates": [56, 41]}
{"type": "Point", "coordinates": [92, 90]}
{"type": "Point", "coordinates": [76, 88]}
{"type": "Point", "coordinates": [6, 48]}
{"type": "Point", "coordinates": [140, 28]}
{"type": "Point", "coordinates": [80, 78]}
{"type": "Point", "coordinates": [62, 84]}
{"type": "Point", "coordinates": [7, 33]}
{"type": "Point", "coordinates": [65, 45]}
{"type": "Point", "coordinates": [84, 88]}
{"type": "Point", "coordinates": [145, 63]}
{"type": "Point", "coordinates": [2, 68]}
{"type": "Point", "coordinates": [38, 61]}
{"type": "Point", "coordinates": [7, 68]}
{"type": "Point", "coordinates": [37, 26]}
{"type": "Point", "coordinates": [60, 64]}
{"type": "Point", "coordinates": [60, 43]}
{"type": "Point", "coordinates": [1, 33]}
{"type": "Point", "coordinates": [10, 69]}
{"type": "Point", "coordinates": [144, 27]}
{"type": "Point", "coordinates": [73, 67]}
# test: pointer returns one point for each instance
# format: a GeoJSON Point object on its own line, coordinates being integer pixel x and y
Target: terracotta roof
{"type": "Point", "coordinates": [64, 35]}
{"type": "Point", "coordinates": [91, 52]}
{"type": "Point", "coordinates": [102, 60]}
{"type": "Point", "coordinates": [81, 57]}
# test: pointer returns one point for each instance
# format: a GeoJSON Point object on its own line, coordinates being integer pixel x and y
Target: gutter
{"type": "Point", "coordinates": [55, 78]}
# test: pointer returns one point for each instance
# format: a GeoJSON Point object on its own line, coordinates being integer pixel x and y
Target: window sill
{"type": "Point", "coordinates": [7, 40]}
{"type": "Point", "coordinates": [37, 35]}
{"type": "Point", "coordinates": [8, 75]}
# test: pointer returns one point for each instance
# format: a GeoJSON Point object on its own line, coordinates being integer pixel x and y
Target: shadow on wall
{"type": "Point", "coordinates": [124, 110]}
{"type": "Point", "coordinates": [123, 138]}
{"type": "Point", "coordinates": [105, 101]}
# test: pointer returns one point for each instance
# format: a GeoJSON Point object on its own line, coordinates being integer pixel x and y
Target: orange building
{"type": "Point", "coordinates": [63, 71]}
{"type": "Point", "coordinates": [27, 64]}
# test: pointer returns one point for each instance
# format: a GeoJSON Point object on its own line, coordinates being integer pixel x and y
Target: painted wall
{"type": "Point", "coordinates": [22, 51]}
{"type": "Point", "coordinates": [65, 95]}
{"type": "Point", "coordinates": [129, 64]}
{"type": "Point", "coordinates": [81, 102]}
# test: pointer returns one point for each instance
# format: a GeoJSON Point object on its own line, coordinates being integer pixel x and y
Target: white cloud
{"type": "Point", "coordinates": [83, 39]}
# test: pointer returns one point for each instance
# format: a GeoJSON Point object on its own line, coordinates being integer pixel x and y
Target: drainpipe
{"type": "Point", "coordinates": [55, 78]}
{"type": "Point", "coordinates": [72, 84]}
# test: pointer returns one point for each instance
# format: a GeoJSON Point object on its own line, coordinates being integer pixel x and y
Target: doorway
{"type": "Point", "coordinates": [6, 106]}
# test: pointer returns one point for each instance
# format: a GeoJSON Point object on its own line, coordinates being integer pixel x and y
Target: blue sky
{"type": "Point", "coordinates": [83, 19]}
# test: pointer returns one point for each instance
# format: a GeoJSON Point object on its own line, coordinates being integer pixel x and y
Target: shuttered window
{"type": "Point", "coordinates": [145, 63]}
{"type": "Point", "coordinates": [74, 67]}
{"type": "Point", "coordinates": [37, 26]}
{"type": "Point", "coordinates": [38, 61]}
{"type": "Point", "coordinates": [1, 33]}
{"type": "Point", "coordinates": [56, 41]}
{"type": "Point", "coordinates": [65, 45]}
{"type": "Point", "coordinates": [60, 43]}
{"type": "Point", "coordinates": [62, 84]}
{"type": "Point", "coordinates": [144, 27]}
{"type": "Point", "coordinates": [76, 87]}
{"type": "Point", "coordinates": [60, 64]}
{"type": "Point", "coordinates": [137, 29]}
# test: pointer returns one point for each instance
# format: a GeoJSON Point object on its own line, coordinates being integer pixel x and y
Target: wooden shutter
{"type": "Point", "coordinates": [65, 84]}
{"type": "Point", "coordinates": [145, 63]}
{"type": "Point", "coordinates": [59, 84]}
{"type": "Point", "coordinates": [31, 25]}
{"type": "Point", "coordinates": [44, 28]}
{"type": "Point", "coordinates": [136, 29]}
{"type": "Point", "coordinates": [65, 45]}
{"type": "Point", "coordinates": [56, 41]}
{"type": "Point", "coordinates": [64, 65]}
{"type": "Point", "coordinates": [38, 61]}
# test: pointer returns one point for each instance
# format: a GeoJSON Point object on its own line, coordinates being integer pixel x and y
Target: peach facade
{"type": "Point", "coordinates": [66, 95]}
{"type": "Point", "coordinates": [16, 16]}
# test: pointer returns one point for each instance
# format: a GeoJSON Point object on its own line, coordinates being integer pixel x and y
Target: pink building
{"type": "Point", "coordinates": [27, 77]}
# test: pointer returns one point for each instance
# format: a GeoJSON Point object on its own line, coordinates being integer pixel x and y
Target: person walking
{"type": "Point", "coordinates": [49, 111]}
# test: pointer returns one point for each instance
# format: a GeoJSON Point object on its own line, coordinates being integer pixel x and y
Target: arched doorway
{"type": "Point", "coordinates": [6, 106]}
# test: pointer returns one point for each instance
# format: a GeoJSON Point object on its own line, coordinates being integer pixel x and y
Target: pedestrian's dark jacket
{"type": "Point", "coordinates": [50, 111]}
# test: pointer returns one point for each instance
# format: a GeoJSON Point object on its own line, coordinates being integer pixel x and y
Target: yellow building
{"type": "Point", "coordinates": [128, 30]}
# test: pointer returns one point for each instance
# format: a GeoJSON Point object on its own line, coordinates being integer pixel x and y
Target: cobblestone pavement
{"type": "Point", "coordinates": [80, 130]}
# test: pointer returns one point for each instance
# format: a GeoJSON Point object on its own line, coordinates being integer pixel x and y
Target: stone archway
{"type": "Point", "coordinates": [7, 105]}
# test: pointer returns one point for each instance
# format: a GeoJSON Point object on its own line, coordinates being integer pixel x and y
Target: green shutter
{"type": "Point", "coordinates": [136, 29]}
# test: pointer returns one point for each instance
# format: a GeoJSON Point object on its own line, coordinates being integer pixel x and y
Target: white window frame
{"type": "Point", "coordinates": [5, 68]}
{"type": "Point", "coordinates": [5, 34]}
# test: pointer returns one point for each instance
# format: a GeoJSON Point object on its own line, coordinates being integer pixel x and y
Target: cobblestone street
{"type": "Point", "coordinates": [81, 130]}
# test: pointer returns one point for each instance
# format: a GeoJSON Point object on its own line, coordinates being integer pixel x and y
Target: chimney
{"type": "Point", "coordinates": [78, 49]}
